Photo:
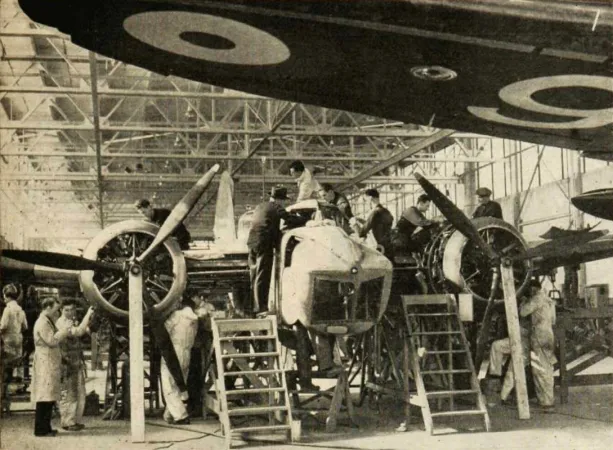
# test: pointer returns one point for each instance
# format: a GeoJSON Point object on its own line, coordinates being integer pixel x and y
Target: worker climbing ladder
{"type": "Point", "coordinates": [441, 362]}
{"type": "Point", "coordinates": [249, 381]}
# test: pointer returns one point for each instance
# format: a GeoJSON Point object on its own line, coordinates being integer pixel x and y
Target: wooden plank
{"type": "Point", "coordinates": [262, 428]}
{"type": "Point", "coordinates": [137, 390]}
{"type": "Point", "coordinates": [431, 299]}
{"type": "Point", "coordinates": [337, 402]}
{"type": "Point", "coordinates": [238, 325]}
{"type": "Point", "coordinates": [560, 330]}
{"type": "Point", "coordinates": [255, 410]}
{"type": "Point", "coordinates": [517, 357]}
{"type": "Point", "coordinates": [584, 313]}
{"type": "Point", "coordinates": [592, 379]}
{"type": "Point", "coordinates": [406, 384]}
{"type": "Point", "coordinates": [584, 362]}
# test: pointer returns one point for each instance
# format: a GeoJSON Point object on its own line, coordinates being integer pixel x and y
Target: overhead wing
{"type": "Point", "coordinates": [598, 203]}
{"type": "Point", "coordinates": [534, 70]}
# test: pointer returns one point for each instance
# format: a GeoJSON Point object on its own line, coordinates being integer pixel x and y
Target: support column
{"type": "Point", "coordinates": [575, 187]}
{"type": "Point", "coordinates": [469, 181]}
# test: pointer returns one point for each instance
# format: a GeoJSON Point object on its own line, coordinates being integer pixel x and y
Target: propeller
{"type": "Point", "coordinates": [60, 260]}
{"type": "Point", "coordinates": [180, 211]}
{"type": "Point", "coordinates": [463, 224]}
{"type": "Point", "coordinates": [455, 216]}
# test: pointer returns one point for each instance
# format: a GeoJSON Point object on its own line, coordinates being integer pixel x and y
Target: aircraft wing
{"type": "Point", "coordinates": [585, 247]}
{"type": "Point", "coordinates": [535, 70]}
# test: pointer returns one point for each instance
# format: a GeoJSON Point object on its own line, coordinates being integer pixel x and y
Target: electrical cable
{"type": "Point", "coordinates": [203, 434]}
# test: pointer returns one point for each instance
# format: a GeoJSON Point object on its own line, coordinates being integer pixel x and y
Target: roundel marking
{"type": "Point", "coordinates": [167, 31]}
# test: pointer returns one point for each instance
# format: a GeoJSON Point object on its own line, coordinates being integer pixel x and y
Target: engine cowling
{"type": "Point", "coordinates": [454, 264]}
{"type": "Point", "coordinates": [164, 271]}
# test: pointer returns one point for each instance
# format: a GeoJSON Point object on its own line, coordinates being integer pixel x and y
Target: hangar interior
{"type": "Point", "coordinates": [84, 136]}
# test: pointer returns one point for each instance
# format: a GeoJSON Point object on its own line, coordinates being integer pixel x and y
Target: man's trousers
{"type": "Point", "coordinates": [72, 400]}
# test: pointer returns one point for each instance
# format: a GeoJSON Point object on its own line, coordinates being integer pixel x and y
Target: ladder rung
{"type": "Point", "coordinates": [254, 391]}
{"type": "Point", "coordinates": [245, 338]}
{"type": "Point", "coordinates": [444, 352]}
{"type": "Point", "coordinates": [261, 428]}
{"type": "Point", "coordinates": [460, 412]}
{"type": "Point", "coordinates": [431, 372]}
{"type": "Point", "coordinates": [433, 333]}
{"type": "Point", "coordinates": [449, 393]}
{"type": "Point", "coordinates": [249, 355]}
{"type": "Point", "coordinates": [256, 410]}
{"type": "Point", "coordinates": [253, 372]}
{"type": "Point", "coordinates": [430, 314]}
{"type": "Point", "coordinates": [235, 325]}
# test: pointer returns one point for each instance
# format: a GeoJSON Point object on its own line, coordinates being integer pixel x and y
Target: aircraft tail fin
{"type": "Point", "coordinates": [224, 228]}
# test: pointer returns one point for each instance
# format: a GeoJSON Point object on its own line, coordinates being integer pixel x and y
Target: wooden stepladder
{"type": "Point", "coordinates": [250, 383]}
{"type": "Point", "coordinates": [441, 362]}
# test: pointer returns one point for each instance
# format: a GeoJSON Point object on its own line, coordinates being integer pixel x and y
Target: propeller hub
{"type": "Point", "coordinates": [135, 269]}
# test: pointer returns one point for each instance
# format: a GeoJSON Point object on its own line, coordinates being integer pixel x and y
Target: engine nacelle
{"type": "Point", "coordinates": [164, 271]}
{"type": "Point", "coordinates": [454, 264]}
{"type": "Point", "coordinates": [331, 283]}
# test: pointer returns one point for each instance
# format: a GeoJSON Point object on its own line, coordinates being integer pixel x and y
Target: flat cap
{"type": "Point", "coordinates": [483, 192]}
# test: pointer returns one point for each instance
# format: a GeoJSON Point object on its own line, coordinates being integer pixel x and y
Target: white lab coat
{"type": "Point", "coordinates": [12, 325]}
{"type": "Point", "coordinates": [182, 326]}
{"type": "Point", "coordinates": [47, 365]}
{"type": "Point", "coordinates": [308, 187]}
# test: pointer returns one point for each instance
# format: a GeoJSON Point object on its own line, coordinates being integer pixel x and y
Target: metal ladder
{"type": "Point", "coordinates": [442, 365]}
{"type": "Point", "coordinates": [247, 357]}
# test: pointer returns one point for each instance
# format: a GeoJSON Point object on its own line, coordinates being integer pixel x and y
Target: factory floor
{"type": "Point", "coordinates": [585, 422]}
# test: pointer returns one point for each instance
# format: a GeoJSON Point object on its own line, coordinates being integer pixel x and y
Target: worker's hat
{"type": "Point", "coordinates": [483, 192]}
{"type": "Point", "coordinates": [279, 193]}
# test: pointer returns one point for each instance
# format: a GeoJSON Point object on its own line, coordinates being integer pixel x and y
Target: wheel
{"type": "Point", "coordinates": [164, 271]}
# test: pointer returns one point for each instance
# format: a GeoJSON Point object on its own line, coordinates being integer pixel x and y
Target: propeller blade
{"type": "Point", "coordinates": [181, 210]}
{"type": "Point", "coordinates": [59, 260]}
{"type": "Point", "coordinates": [455, 215]}
{"type": "Point", "coordinates": [168, 352]}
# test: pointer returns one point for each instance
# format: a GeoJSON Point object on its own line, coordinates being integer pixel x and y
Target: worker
{"type": "Point", "coordinates": [72, 396]}
{"type": "Point", "coordinates": [404, 237]}
{"type": "Point", "coordinates": [159, 216]}
{"type": "Point", "coordinates": [328, 194]}
{"type": "Point", "coordinates": [541, 310]}
{"type": "Point", "coordinates": [12, 325]}
{"type": "Point", "coordinates": [182, 326]}
{"type": "Point", "coordinates": [264, 237]}
{"type": "Point", "coordinates": [308, 187]}
{"type": "Point", "coordinates": [379, 221]}
{"type": "Point", "coordinates": [487, 207]}
{"type": "Point", "coordinates": [47, 366]}
{"type": "Point", "coordinates": [499, 352]}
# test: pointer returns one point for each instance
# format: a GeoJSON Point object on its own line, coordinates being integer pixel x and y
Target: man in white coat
{"type": "Point", "coordinates": [47, 366]}
{"type": "Point", "coordinates": [308, 187]}
{"type": "Point", "coordinates": [182, 326]}
{"type": "Point", "coordinates": [12, 325]}
{"type": "Point", "coordinates": [72, 400]}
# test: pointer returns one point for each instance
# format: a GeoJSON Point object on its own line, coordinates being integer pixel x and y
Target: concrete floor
{"type": "Point", "coordinates": [586, 422]}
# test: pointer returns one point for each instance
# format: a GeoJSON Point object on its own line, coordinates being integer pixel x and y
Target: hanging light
{"type": "Point", "coordinates": [190, 113]}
